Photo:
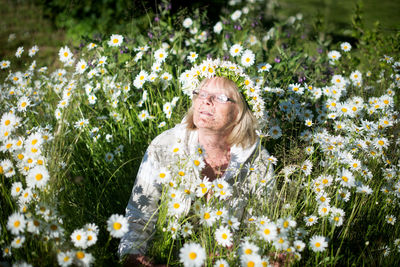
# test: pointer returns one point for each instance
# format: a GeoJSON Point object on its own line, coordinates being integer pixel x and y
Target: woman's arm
{"type": "Point", "coordinates": [141, 210]}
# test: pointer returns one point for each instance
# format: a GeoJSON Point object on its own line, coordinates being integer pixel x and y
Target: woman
{"type": "Point", "coordinates": [221, 122]}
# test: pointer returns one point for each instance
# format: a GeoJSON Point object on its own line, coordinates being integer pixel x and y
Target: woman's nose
{"type": "Point", "coordinates": [209, 99]}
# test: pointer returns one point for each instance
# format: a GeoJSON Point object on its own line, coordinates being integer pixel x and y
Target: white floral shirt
{"type": "Point", "coordinates": [141, 210]}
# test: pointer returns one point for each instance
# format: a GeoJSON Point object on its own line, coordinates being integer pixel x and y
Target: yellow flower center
{"type": "Point", "coordinates": [117, 226]}
{"type": "Point", "coordinates": [80, 255]}
{"type": "Point", "coordinates": [17, 223]}
{"type": "Point", "coordinates": [317, 244]}
{"type": "Point", "coordinates": [248, 251]}
{"type": "Point", "coordinates": [192, 255]}
{"type": "Point", "coordinates": [176, 206]}
{"type": "Point", "coordinates": [224, 236]}
{"type": "Point", "coordinates": [206, 216]}
{"type": "Point", "coordinates": [267, 231]}
{"type": "Point", "coordinates": [39, 177]}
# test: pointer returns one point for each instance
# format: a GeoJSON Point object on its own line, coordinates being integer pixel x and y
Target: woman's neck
{"type": "Point", "coordinates": [213, 143]}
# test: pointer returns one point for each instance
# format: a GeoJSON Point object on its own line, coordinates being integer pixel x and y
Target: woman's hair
{"type": "Point", "coordinates": [244, 126]}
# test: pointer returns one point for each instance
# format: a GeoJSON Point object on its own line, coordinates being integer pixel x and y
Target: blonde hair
{"type": "Point", "coordinates": [244, 127]}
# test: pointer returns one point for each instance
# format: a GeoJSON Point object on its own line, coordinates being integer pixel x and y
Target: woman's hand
{"type": "Point", "coordinates": [139, 260]}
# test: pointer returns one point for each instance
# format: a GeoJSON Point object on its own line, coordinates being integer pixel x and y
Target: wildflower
{"type": "Point", "coordinates": [90, 46]}
{"type": "Point", "coordinates": [221, 263]}
{"type": "Point", "coordinates": [64, 259]}
{"type": "Point", "coordinates": [23, 103]}
{"type": "Point", "coordinates": [38, 177]}
{"type": "Point", "coordinates": [264, 67]}
{"type": "Point", "coordinates": [218, 27]}
{"type": "Point", "coordinates": [83, 258]}
{"type": "Point", "coordinates": [192, 57]}
{"type": "Point", "coordinates": [233, 222]}
{"type": "Point", "coordinates": [306, 167]}
{"type": "Point", "coordinates": [34, 49]}
{"type": "Point", "coordinates": [235, 50]}
{"type": "Point", "coordinates": [275, 132]}
{"type": "Point", "coordinates": [81, 66]}
{"type": "Point", "coordinates": [176, 207]}
{"type": "Point", "coordinates": [323, 210]}
{"type": "Point", "coordinates": [18, 241]}
{"type": "Point", "coordinates": [250, 260]}
{"type": "Point", "coordinates": [223, 236]}
{"type": "Point", "coordinates": [390, 219]}
{"type": "Point", "coordinates": [299, 245]}
{"type": "Point", "coordinates": [109, 157]}
{"type": "Point", "coordinates": [207, 217]}
{"type": "Point", "coordinates": [16, 223]}
{"type": "Point", "coordinates": [346, 178]}
{"type": "Point", "coordinates": [19, 52]}
{"type": "Point", "coordinates": [334, 55]}
{"type": "Point", "coordinates": [143, 115]}
{"type": "Point", "coordinates": [16, 189]}
{"type": "Point", "coordinates": [248, 248]}
{"type": "Point", "coordinates": [79, 238]}
{"type": "Point", "coordinates": [236, 15]}
{"type": "Point", "coordinates": [268, 231]}
{"type": "Point", "coordinates": [4, 64]}
{"type": "Point", "coordinates": [318, 243]}
{"type": "Point", "coordinates": [117, 225]}
{"type": "Point", "coordinates": [115, 40]}
{"type": "Point", "coordinates": [7, 252]}
{"type": "Point", "coordinates": [81, 123]}
{"type": "Point", "coordinates": [160, 55]}
{"type": "Point", "coordinates": [186, 229]}
{"type": "Point", "coordinates": [247, 58]}
{"type": "Point", "coordinates": [346, 47]}
{"type": "Point", "coordinates": [187, 23]}
{"type": "Point", "coordinates": [65, 54]}
{"type": "Point", "coordinates": [162, 124]}
{"type": "Point", "coordinates": [192, 255]}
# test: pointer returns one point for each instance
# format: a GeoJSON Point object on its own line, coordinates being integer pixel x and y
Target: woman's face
{"type": "Point", "coordinates": [211, 115]}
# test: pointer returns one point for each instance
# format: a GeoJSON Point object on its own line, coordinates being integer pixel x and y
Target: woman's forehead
{"type": "Point", "coordinates": [219, 85]}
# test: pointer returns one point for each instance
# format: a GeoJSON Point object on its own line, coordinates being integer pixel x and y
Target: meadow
{"type": "Point", "coordinates": [73, 133]}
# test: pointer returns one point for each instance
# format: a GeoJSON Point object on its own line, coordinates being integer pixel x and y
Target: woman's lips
{"type": "Point", "coordinates": [206, 113]}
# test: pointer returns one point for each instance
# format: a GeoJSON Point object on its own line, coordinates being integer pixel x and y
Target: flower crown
{"type": "Point", "coordinates": [190, 80]}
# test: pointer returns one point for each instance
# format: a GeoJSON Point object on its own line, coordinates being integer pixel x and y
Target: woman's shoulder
{"type": "Point", "coordinates": [170, 136]}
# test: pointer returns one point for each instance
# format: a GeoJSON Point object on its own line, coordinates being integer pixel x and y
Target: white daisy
{"type": "Point", "coordinates": [117, 225]}
{"type": "Point", "coordinates": [192, 255]}
{"type": "Point", "coordinates": [115, 40]}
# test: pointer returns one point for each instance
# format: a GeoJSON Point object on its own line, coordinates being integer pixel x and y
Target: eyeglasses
{"type": "Point", "coordinates": [220, 98]}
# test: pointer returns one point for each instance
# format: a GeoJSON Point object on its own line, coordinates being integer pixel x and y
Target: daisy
{"type": "Point", "coordinates": [192, 255]}
{"type": "Point", "coordinates": [81, 123]}
{"type": "Point", "coordinates": [115, 40]}
{"type": "Point", "coordinates": [65, 54]}
{"type": "Point", "coordinates": [117, 225]}
{"type": "Point", "coordinates": [334, 55]}
{"type": "Point", "coordinates": [306, 167]}
{"type": "Point", "coordinates": [275, 132]}
{"type": "Point", "coordinates": [299, 245]}
{"type": "Point", "coordinates": [83, 258]}
{"type": "Point", "coordinates": [207, 216]}
{"type": "Point", "coordinates": [143, 115]}
{"type": "Point", "coordinates": [19, 52]}
{"type": "Point", "coordinates": [264, 67]}
{"type": "Point", "coordinates": [236, 50]}
{"type": "Point", "coordinates": [81, 66]}
{"type": "Point", "coordinates": [176, 207]}
{"type": "Point", "coordinates": [16, 188]}
{"type": "Point", "coordinates": [34, 49]}
{"type": "Point", "coordinates": [186, 229]}
{"type": "Point", "coordinates": [4, 64]}
{"type": "Point", "coordinates": [192, 57]}
{"type": "Point", "coordinates": [16, 223]}
{"type": "Point", "coordinates": [250, 260]}
{"type": "Point", "coordinates": [221, 263]}
{"type": "Point", "coordinates": [236, 15]}
{"type": "Point", "coordinates": [223, 236]}
{"type": "Point", "coordinates": [268, 231]}
{"type": "Point", "coordinates": [247, 58]}
{"type": "Point", "coordinates": [162, 124]}
{"type": "Point", "coordinates": [23, 103]}
{"type": "Point", "coordinates": [336, 217]}
{"type": "Point", "coordinates": [79, 238]}
{"type": "Point", "coordinates": [233, 222]}
{"type": "Point", "coordinates": [187, 23]}
{"type": "Point", "coordinates": [346, 178]}
{"type": "Point", "coordinates": [109, 157]}
{"type": "Point", "coordinates": [346, 47]}
{"type": "Point", "coordinates": [318, 243]}
{"type": "Point", "coordinates": [323, 210]}
{"type": "Point", "coordinates": [18, 241]}
{"type": "Point", "coordinates": [247, 248]}
{"type": "Point", "coordinates": [90, 46]}
{"type": "Point", "coordinates": [218, 27]}
{"type": "Point", "coordinates": [7, 252]}
{"type": "Point", "coordinates": [160, 55]}
{"type": "Point", "coordinates": [64, 259]}
{"type": "Point", "coordinates": [38, 177]}
{"type": "Point", "coordinates": [390, 219]}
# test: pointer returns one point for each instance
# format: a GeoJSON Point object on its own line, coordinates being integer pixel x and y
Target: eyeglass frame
{"type": "Point", "coordinates": [215, 97]}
